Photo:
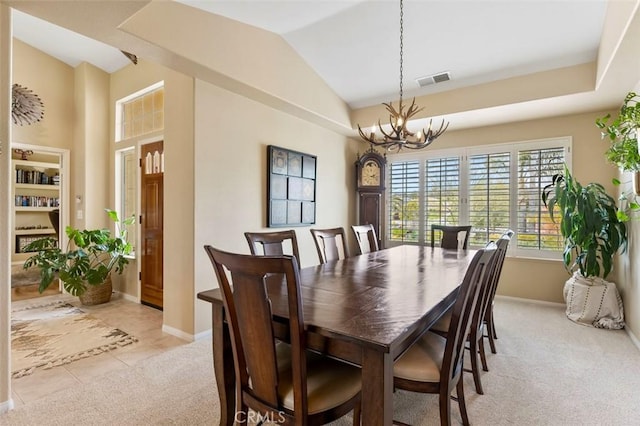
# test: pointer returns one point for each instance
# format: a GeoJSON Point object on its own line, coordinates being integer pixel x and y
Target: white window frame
{"type": "Point", "coordinates": [118, 113]}
{"type": "Point", "coordinates": [119, 190]}
{"type": "Point", "coordinates": [513, 148]}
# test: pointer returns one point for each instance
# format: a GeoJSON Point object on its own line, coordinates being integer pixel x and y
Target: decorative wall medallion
{"type": "Point", "coordinates": [26, 106]}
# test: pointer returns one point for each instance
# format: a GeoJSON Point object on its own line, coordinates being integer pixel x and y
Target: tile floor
{"type": "Point", "coordinates": [138, 320]}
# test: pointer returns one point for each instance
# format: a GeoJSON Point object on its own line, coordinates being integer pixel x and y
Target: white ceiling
{"type": "Point", "coordinates": [354, 45]}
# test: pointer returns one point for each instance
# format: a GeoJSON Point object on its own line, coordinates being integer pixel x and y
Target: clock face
{"type": "Point", "coordinates": [370, 174]}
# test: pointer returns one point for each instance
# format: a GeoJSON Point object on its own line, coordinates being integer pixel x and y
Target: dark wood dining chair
{"type": "Point", "coordinates": [280, 381]}
{"type": "Point", "coordinates": [330, 243]}
{"type": "Point", "coordinates": [490, 326]}
{"type": "Point", "coordinates": [450, 234]}
{"type": "Point", "coordinates": [366, 238]}
{"type": "Point", "coordinates": [272, 243]}
{"type": "Point", "coordinates": [434, 364]}
{"type": "Point", "coordinates": [475, 338]}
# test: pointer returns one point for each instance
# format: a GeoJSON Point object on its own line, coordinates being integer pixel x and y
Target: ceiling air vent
{"type": "Point", "coordinates": [432, 79]}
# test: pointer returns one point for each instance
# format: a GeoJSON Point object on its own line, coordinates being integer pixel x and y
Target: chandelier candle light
{"type": "Point", "coordinates": [400, 137]}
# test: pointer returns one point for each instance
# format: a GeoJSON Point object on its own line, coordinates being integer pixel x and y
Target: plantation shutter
{"type": "Point", "coordinates": [404, 196]}
{"type": "Point", "coordinates": [442, 192]}
{"type": "Point", "coordinates": [489, 204]}
{"type": "Point", "coordinates": [536, 167]}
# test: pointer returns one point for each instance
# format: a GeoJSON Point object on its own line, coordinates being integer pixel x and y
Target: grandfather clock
{"type": "Point", "coordinates": [370, 185]}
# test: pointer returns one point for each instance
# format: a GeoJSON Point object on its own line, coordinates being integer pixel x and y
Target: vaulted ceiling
{"type": "Point", "coordinates": [560, 56]}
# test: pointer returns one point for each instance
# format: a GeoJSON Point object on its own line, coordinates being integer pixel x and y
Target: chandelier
{"type": "Point", "coordinates": [400, 137]}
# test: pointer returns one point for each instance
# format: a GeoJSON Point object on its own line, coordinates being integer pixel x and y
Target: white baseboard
{"type": "Point", "coordinates": [522, 299]}
{"type": "Point", "coordinates": [207, 334]}
{"type": "Point", "coordinates": [633, 337]}
{"type": "Point", "coordinates": [128, 297]}
{"type": "Point", "coordinates": [6, 406]}
{"type": "Point", "coordinates": [178, 333]}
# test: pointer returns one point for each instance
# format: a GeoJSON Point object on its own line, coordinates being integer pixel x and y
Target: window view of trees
{"type": "Point", "coordinates": [404, 203]}
{"type": "Point", "coordinates": [442, 188]}
{"type": "Point", "coordinates": [535, 228]}
{"type": "Point", "coordinates": [500, 191]}
{"type": "Point", "coordinates": [489, 198]}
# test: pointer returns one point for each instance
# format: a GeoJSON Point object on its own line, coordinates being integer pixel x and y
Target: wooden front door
{"type": "Point", "coordinates": [152, 194]}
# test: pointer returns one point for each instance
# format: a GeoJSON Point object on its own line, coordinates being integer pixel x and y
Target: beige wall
{"type": "Point", "coordinates": [91, 156]}
{"type": "Point", "coordinates": [543, 279]}
{"type": "Point", "coordinates": [56, 91]}
{"type": "Point", "coordinates": [179, 295]}
{"type": "Point", "coordinates": [231, 138]}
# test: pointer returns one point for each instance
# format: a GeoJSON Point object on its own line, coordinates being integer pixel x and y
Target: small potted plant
{"type": "Point", "coordinates": [85, 266]}
{"type": "Point", "coordinates": [623, 134]}
{"type": "Point", "coordinates": [594, 230]}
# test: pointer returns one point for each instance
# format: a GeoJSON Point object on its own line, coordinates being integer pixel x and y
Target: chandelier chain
{"type": "Point", "coordinates": [400, 136]}
{"type": "Point", "coordinates": [401, 46]}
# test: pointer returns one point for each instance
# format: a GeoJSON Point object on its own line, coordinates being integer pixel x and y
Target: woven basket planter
{"type": "Point", "coordinates": [97, 294]}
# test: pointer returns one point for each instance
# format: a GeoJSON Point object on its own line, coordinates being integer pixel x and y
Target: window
{"type": "Point", "coordinates": [404, 211]}
{"type": "Point", "coordinates": [489, 198]}
{"type": "Point", "coordinates": [492, 188]}
{"type": "Point", "coordinates": [535, 228]}
{"type": "Point", "coordinates": [140, 113]}
{"type": "Point", "coordinates": [139, 118]}
{"type": "Point", "coordinates": [442, 189]}
{"type": "Point", "coordinates": [126, 194]}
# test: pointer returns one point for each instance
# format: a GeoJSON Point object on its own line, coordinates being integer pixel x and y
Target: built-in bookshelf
{"type": "Point", "coordinates": [36, 193]}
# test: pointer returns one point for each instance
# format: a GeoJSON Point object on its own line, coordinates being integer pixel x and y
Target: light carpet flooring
{"type": "Point", "coordinates": [548, 371]}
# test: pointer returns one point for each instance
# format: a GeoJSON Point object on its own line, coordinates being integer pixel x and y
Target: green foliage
{"type": "Point", "coordinates": [89, 258]}
{"type": "Point", "coordinates": [623, 133]}
{"type": "Point", "coordinates": [590, 224]}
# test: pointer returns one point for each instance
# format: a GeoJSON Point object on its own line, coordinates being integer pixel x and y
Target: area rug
{"type": "Point", "coordinates": [54, 334]}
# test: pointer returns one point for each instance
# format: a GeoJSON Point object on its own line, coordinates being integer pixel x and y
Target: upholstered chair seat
{"type": "Point", "coordinates": [442, 325]}
{"type": "Point", "coordinates": [422, 362]}
{"type": "Point", "coordinates": [330, 383]}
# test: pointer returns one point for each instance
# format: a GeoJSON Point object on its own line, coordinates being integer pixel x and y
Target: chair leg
{"type": "Point", "coordinates": [356, 414]}
{"type": "Point", "coordinates": [473, 348]}
{"type": "Point", "coordinates": [445, 408]}
{"type": "Point", "coordinates": [491, 331]}
{"type": "Point", "coordinates": [461, 402]}
{"type": "Point", "coordinates": [493, 327]}
{"type": "Point", "coordinates": [241, 416]}
{"type": "Point", "coordinates": [483, 355]}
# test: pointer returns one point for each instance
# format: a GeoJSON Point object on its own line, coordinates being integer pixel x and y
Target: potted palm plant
{"type": "Point", "coordinates": [85, 266]}
{"type": "Point", "coordinates": [622, 132]}
{"type": "Point", "coordinates": [594, 230]}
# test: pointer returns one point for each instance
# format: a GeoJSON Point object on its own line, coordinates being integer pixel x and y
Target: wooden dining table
{"type": "Point", "coordinates": [365, 309]}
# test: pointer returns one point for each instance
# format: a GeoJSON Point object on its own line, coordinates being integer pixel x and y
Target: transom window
{"type": "Point", "coordinates": [140, 113]}
{"type": "Point", "coordinates": [492, 188]}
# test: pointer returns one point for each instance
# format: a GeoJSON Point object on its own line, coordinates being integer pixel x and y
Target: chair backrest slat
{"type": "Point", "coordinates": [272, 243]}
{"type": "Point", "coordinates": [450, 236]}
{"type": "Point", "coordinates": [331, 244]}
{"type": "Point", "coordinates": [366, 238]}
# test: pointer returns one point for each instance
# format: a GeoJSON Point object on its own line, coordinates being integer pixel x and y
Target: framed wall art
{"type": "Point", "coordinates": [291, 188]}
